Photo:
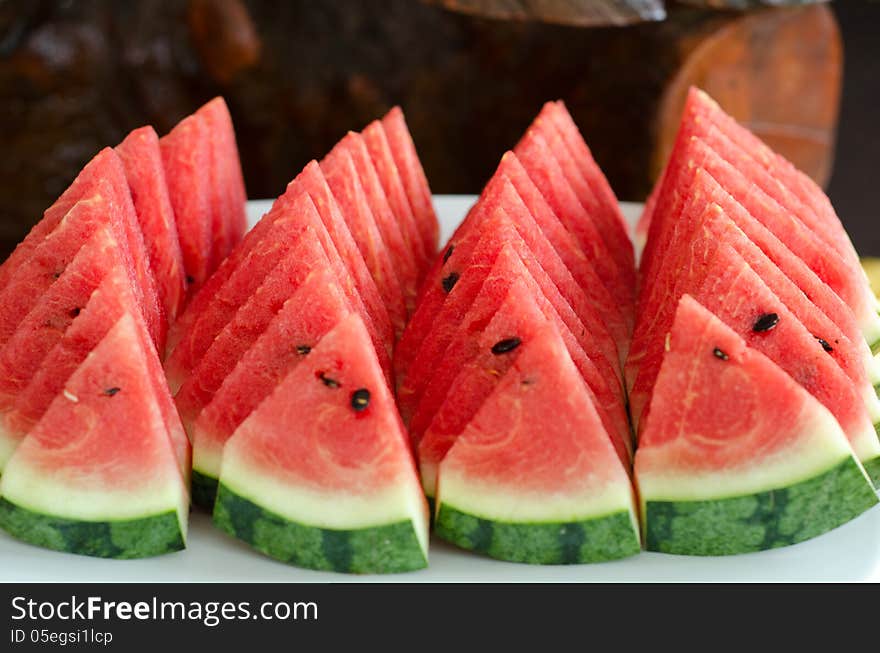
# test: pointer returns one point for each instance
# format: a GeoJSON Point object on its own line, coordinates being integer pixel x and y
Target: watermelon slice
{"type": "Point", "coordinates": [403, 150]}
{"type": "Point", "coordinates": [102, 193]}
{"type": "Point", "coordinates": [312, 310]}
{"type": "Point", "coordinates": [142, 159]}
{"type": "Point", "coordinates": [97, 475]}
{"type": "Point", "coordinates": [320, 474]}
{"type": "Point", "coordinates": [510, 305]}
{"type": "Point", "coordinates": [389, 176]}
{"type": "Point", "coordinates": [755, 464]}
{"type": "Point", "coordinates": [249, 321]}
{"type": "Point", "coordinates": [403, 258]}
{"type": "Point", "coordinates": [495, 231]}
{"type": "Point", "coordinates": [342, 178]}
{"type": "Point", "coordinates": [739, 297]}
{"type": "Point", "coordinates": [551, 491]}
{"type": "Point", "coordinates": [112, 300]}
{"type": "Point", "coordinates": [539, 160]}
{"type": "Point", "coordinates": [762, 182]}
{"type": "Point", "coordinates": [216, 303]}
{"type": "Point", "coordinates": [542, 218]}
{"type": "Point", "coordinates": [228, 195]}
{"type": "Point", "coordinates": [701, 226]}
{"type": "Point", "coordinates": [604, 211]}
{"type": "Point", "coordinates": [45, 324]}
{"type": "Point", "coordinates": [187, 157]}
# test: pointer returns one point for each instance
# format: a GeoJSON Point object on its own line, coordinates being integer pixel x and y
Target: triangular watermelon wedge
{"type": "Point", "coordinates": [539, 160]}
{"type": "Point", "coordinates": [496, 231]}
{"type": "Point", "coordinates": [342, 178]}
{"type": "Point", "coordinates": [756, 463]}
{"type": "Point", "coordinates": [98, 196]}
{"type": "Point", "coordinates": [187, 157]}
{"type": "Point", "coordinates": [320, 474]}
{"type": "Point", "coordinates": [142, 158]}
{"type": "Point", "coordinates": [404, 259]}
{"type": "Point", "coordinates": [403, 150]}
{"type": "Point", "coordinates": [519, 487]}
{"type": "Point", "coordinates": [510, 307]}
{"type": "Point", "coordinates": [733, 292]}
{"type": "Point", "coordinates": [219, 299]}
{"type": "Point", "coordinates": [228, 195]}
{"type": "Point", "coordinates": [248, 323]}
{"type": "Point", "coordinates": [383, 159]}
{"type": "Point", "coordinates": [97, 475]}
{"type": "Point", "coordinates": [112, 300]}
{"type": "Point", "coordinates": [604, 211]}
{"type": "Point", "coordinates": [312, 310]}
{"type": "Point", "coordinates": [703, 226]}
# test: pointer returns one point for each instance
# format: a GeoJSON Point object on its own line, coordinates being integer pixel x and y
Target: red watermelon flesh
{"type": "Point", "coordinates": [228, 195]}
{"type": "Point", "coordinates": [386, 168]}
{"type": "Point", "coordinates": [614, 222]}
{"type": "Point", "coordinates": [497, 232]}
{"type": "Point", "coordinates": [287, 219]}
{"type": "Point", "coordinates": [404, 258]}
{"type": "Point", "coordinates": [312, 310]}
{"type": "Point", "coordinates": [734, 293]}
{"type": "Point", "coordinates": [644, 223]}
{"type": "Point", "coordinates": [249, 321]}
{"type": "Point", "coordinates": [701, 226]}
{"type": "Point", "coordinates": [699, 183]}
{"type": "Point", "coordinates": [532, 454]}
{"type": "Point", "coordinates": [142, 159]}
{"type": "Point", "coordinates": [607, 219]}
{"type": "Point", "coordinates": [510, 305]}
{"type": "Point", "coordinates": [413, 177]}
{"type": "Point", "coordinates": [563, 243]}
{"type": "Point", "coordinates": [186, 155]}
{"type": "Point", "coordinates": [104, 177]}
{"type": "Point", "coordinates": [537, 158]}
{"type": "Point", "coordinates": [342, 178]}
{"type": "Point", "coordinates": [102, 444]}
{"type": "Point", "coordinates": [53, 311]}
{"type": "Point", "coordinates": [110, 302]}
{"type": "Point", "coordinates": [499, 193]}
{"type": "Point", "coordinates": [776, 176]}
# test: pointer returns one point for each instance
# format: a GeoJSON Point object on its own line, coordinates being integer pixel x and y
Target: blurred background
{"type": "Point", "coordinates": [76, 76]}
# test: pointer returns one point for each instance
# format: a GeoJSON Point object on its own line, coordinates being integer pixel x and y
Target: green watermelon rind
{"type": "Point", "coordinates": [381, 549]}
{"type": "Point", "coordinates": [203, 490]}
{"type": "Point", "coordinates": [123, 539]}
{"type": "Point", "coordinates": [598, 539]}
{"type": "Point", "coordinates": [760, 521]}
{"type": "Point", "coordinates": [872, 469]}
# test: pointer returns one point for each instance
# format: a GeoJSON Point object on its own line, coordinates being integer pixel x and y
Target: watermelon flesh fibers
{"type": "Point", "coordinates": [757, 463]}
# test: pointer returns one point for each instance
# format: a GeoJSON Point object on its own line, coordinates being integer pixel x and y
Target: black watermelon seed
{"type": "Point", "coordinates": [448, 253]}
{"type": "Point", "coordinates": [360, 399]}
{"type": "Point", "coordinates": [720, 354]}
{"type": "Point", "coordinates": [450, 281]}
{"type": "Point", "coordinates": [190, 280]}
{"type": "Point", "coordinates": [73, 312]}
{"type": "Point", "coordinates": [824, 344]}
{"type": "Point", "coordinates": [766, 322]}
{"type": "Point", "coordinates": [506, 345]}
{"type": "Point", "coordinates": [111, 391]}
{"type": "Point", "coordinates": [55, 275]}
{"type": "Point", "coordinates": [302, 350]}
{"type": "Point", "coordinates": [326, 380]}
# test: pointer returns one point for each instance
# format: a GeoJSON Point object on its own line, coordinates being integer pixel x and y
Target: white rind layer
{"type": "Point", "coordinates": [207, 456]}
{"type": "Point", "coordinates": [37, 491]}
{"type": "Point", "coordinates": [401, 500]}
{"type": "Point", "coordinates": [820, 446]}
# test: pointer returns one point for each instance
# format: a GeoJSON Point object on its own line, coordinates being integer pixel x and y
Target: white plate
{"type": "Point", "coordinates": [849, 553]}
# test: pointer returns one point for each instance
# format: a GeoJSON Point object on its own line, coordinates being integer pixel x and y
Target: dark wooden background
{"type": "Point", "coordinates": [76, 76]}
